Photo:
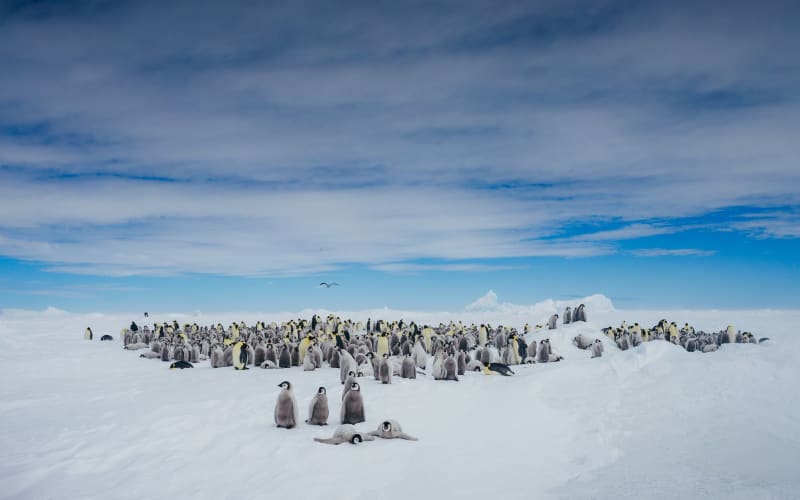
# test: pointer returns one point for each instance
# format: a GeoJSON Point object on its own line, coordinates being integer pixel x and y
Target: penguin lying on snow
{"type": "Point", "coordinates": [106, 337]}
{"type": "Point", "coordinates": [390, 429]}
{"type": "Point", "coordinates": [500, 368]}
{"type": "Point", "coordinates": [346, 433]}
{"type": "Point", "coordinates": [180, 365]}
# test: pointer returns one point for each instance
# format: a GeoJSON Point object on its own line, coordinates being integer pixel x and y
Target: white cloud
{"type": "Point", "coordinates": [375, 139]}
{"type": "Point", "coordinates": [674, 252]}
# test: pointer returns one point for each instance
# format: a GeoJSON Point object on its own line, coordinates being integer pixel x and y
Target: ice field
{"type": "Point", "coordinates": [89, 420]}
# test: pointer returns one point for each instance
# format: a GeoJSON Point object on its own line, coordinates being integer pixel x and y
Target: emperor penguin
{"type": "Point", "coordinates": [346, 433]}
{"type": "Point", "coordinates": [285, 358]}
{"type": "Point", "coordinates": [483, 336]}
{"type": "Point", "coordinates": [180, 365]}
{"type": "Point", "coordinates": [216, 357]}
{"type": "Point", "coordinates": [308, 360]}
{"type": "Point", "coordinates": [385, 369]}
{"type": "Point", "coordinates": [597, 348]}
{"type": "Point", "coordinates": [303, 348]}
{"type": "Point", "coordinates": [382, 345]}
{"type": "Point", "coordinates": [450, 368]}
{"type": "Point", "coordinates": [318, 408]}
{"type": "Point", "coordinates": [582, 341]}
{"type": "Point", "coordinates": [348, 384]}
{"type": "Point", "coordinates": [352, 411]}
{"type": "Point", "coordinates": [420, 354]}
{"type": "Point", "coordinates": [543, 355]}
{"type": "Point", "coordinates": [390, 429]}
{"type": "Point", "coordinates": [87, 335]}
{"type": "Point", "coordinates": [408, 369]}
{"type": "Point", "coordinates": [552, 322]}
{"type": "Point", "coordinates": [346, 364]}
{"type": "Point", "coordinates": [461, 362]}
{"type": "Point", "coordinates": [730, 331]}
{"type": "Point", "coordinates": [474, 366]}
{"type": "Point", "coordinates": [286, 407]}
{"type": "Point", "coordinates": [567, 315]}
{"type": "Point", "coordinates": [259, 355]}
{"type": "Point", "coordinates": [240, 356]}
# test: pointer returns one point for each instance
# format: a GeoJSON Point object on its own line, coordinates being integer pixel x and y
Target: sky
{"type": "Point", "coordinates": [199, 155]}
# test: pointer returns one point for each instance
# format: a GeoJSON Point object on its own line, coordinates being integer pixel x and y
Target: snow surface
{"type": "Point", "coordinates": [82, 419]}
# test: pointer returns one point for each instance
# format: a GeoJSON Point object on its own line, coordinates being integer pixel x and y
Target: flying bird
{"type": "Point", "coordinates": [328, 285]}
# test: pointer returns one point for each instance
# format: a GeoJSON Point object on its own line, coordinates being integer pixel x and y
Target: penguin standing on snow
{"type": "Point", "coordinates": [87, 335]}
{"type": "Point", "coordinates": [240, 356]}
{"type": "Point", "coordinates": [318, 408]}
{"type": "Point", "coordinates": [352, 406]}
{"type": "Point", "coordinates": [286, 407]}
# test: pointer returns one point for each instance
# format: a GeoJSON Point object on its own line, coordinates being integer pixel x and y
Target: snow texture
{"type": "Point", "coordinates": [89, 420]}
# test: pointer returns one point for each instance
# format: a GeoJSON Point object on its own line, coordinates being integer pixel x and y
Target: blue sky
{"type": "Point", "coordinates": [230, 155]}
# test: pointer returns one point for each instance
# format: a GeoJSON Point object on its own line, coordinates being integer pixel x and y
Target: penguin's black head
{"type": "Point", "coordinates": [356, 439]}
{"type": "Point", "coordinates": [351, 373]}
{"type": "Point", "coordinates": [354, 386]}
{"type": "Point", "coordinates": [370, 355]}
{"type": "Point", "coordinates": [385, 355]}
{"type": "Point", "coordinates": [285, 385]}
{"type": "Point", "coordinates": [321, 390]}
{"type": "Point", "coordinates": [387, 426]}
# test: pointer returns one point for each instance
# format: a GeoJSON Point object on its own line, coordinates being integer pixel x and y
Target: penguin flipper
{"type": "Point", "coordinates": [403, 435]}
{"type": "Point", "coordinates": [763, 339]}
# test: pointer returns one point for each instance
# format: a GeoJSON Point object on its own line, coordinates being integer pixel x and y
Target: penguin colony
{"type": "Point", "coordinates": [383, 350]}
{"type": "Point", "coordinates": [628, 336]}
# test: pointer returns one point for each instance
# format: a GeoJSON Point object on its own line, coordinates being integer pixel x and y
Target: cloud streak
{"type": "Point", "coordinates": [141, 138]}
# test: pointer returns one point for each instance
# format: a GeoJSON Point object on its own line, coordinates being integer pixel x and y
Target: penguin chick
{"type": "Point", "coordinates": [286, 407]}
{"type": "Point", "coordinates": [352, 411]}
{"type": "Point", "coordinates": [318, 408]}
{"type": "Point", "coordinates": [390, 429]}
{"type": "Point", "coordinates": [345, 433]}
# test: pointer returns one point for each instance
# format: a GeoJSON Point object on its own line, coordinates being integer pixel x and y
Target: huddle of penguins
{"type": "Point", "coordinates": [627, 336]}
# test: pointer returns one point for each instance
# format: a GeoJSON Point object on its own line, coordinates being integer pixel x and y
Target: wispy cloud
{"type": "Point", "coordinates": [303, 137]}
{"type": "Point", "coordinates": [672, 252]}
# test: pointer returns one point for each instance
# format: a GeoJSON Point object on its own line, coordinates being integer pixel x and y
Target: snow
{"type": "Point", "coordinates": [82, 419]}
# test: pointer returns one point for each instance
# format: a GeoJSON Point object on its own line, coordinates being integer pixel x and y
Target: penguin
{"type": "Point", "coordinates": [408, 369]}
{"type": "Point", "coordinates": [346, 433]}
{"type": "Point", "coordinates": [474, 366]}
{"type": "Point", "coordinates": [308, 361]}
{"type": "Point", "coordinates": [106, 337]}
{"type": "Point", "coordinates": [136, 347]}
{"type": "Point", "coordinates": [87, 335]}
{"type": "Point", "coordinates": [543, 355]}
{"type": "Point", "coordinates": [303, 348]}
{"type": "Point", "coordinates": [150, 355]}
{"type": "Point", "coordinates": [285, 359]}
{"type": "Point", "coordinates": [385, 369]}
{"type": "Point", "coordinates": [567, 315]}
{"type": "Point", "coordinates": [450, 368]}
{"type": "Point", "coordinates": [180, 365]}
{"type": "Point", "coordinates": [318, 408]}
{"type": "Point", "coordinates": [259, 355]}
{"type": "Point", "coordinates": [216, 357]}
{"type": "Point", "coordinates": [390, 429]}
{"type": "Point", "coordinates": [582, 342]}
{"type": "Point", "coordinates": [240, 356]}
{"type": "Point", "coordinates": [348, 384]}
{"type": "Point", "coordinates": [461, 362]}
{"type": "Point", "coordinates": [166, 354]}
{"type": "Point", "coordinates": [420, 354]}
{"type": "Point", "coordinates": [552, 322]}
{"type": "Point", "coordinates": [346, 364]}
{"type": "Point", "coordinates": [499, 368]}
{"type": "Point", "coordinates": [382, 345]}
{"type": "Point", "coordinates": [286, 407]}
{"type": "Point", "coordinates": [352, 411]}
{"type": "Point", "coordinates": [597, 349]}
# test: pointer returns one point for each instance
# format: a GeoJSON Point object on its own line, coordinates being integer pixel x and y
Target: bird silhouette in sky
{"type": "Point", "coordinates": [328, 285]}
